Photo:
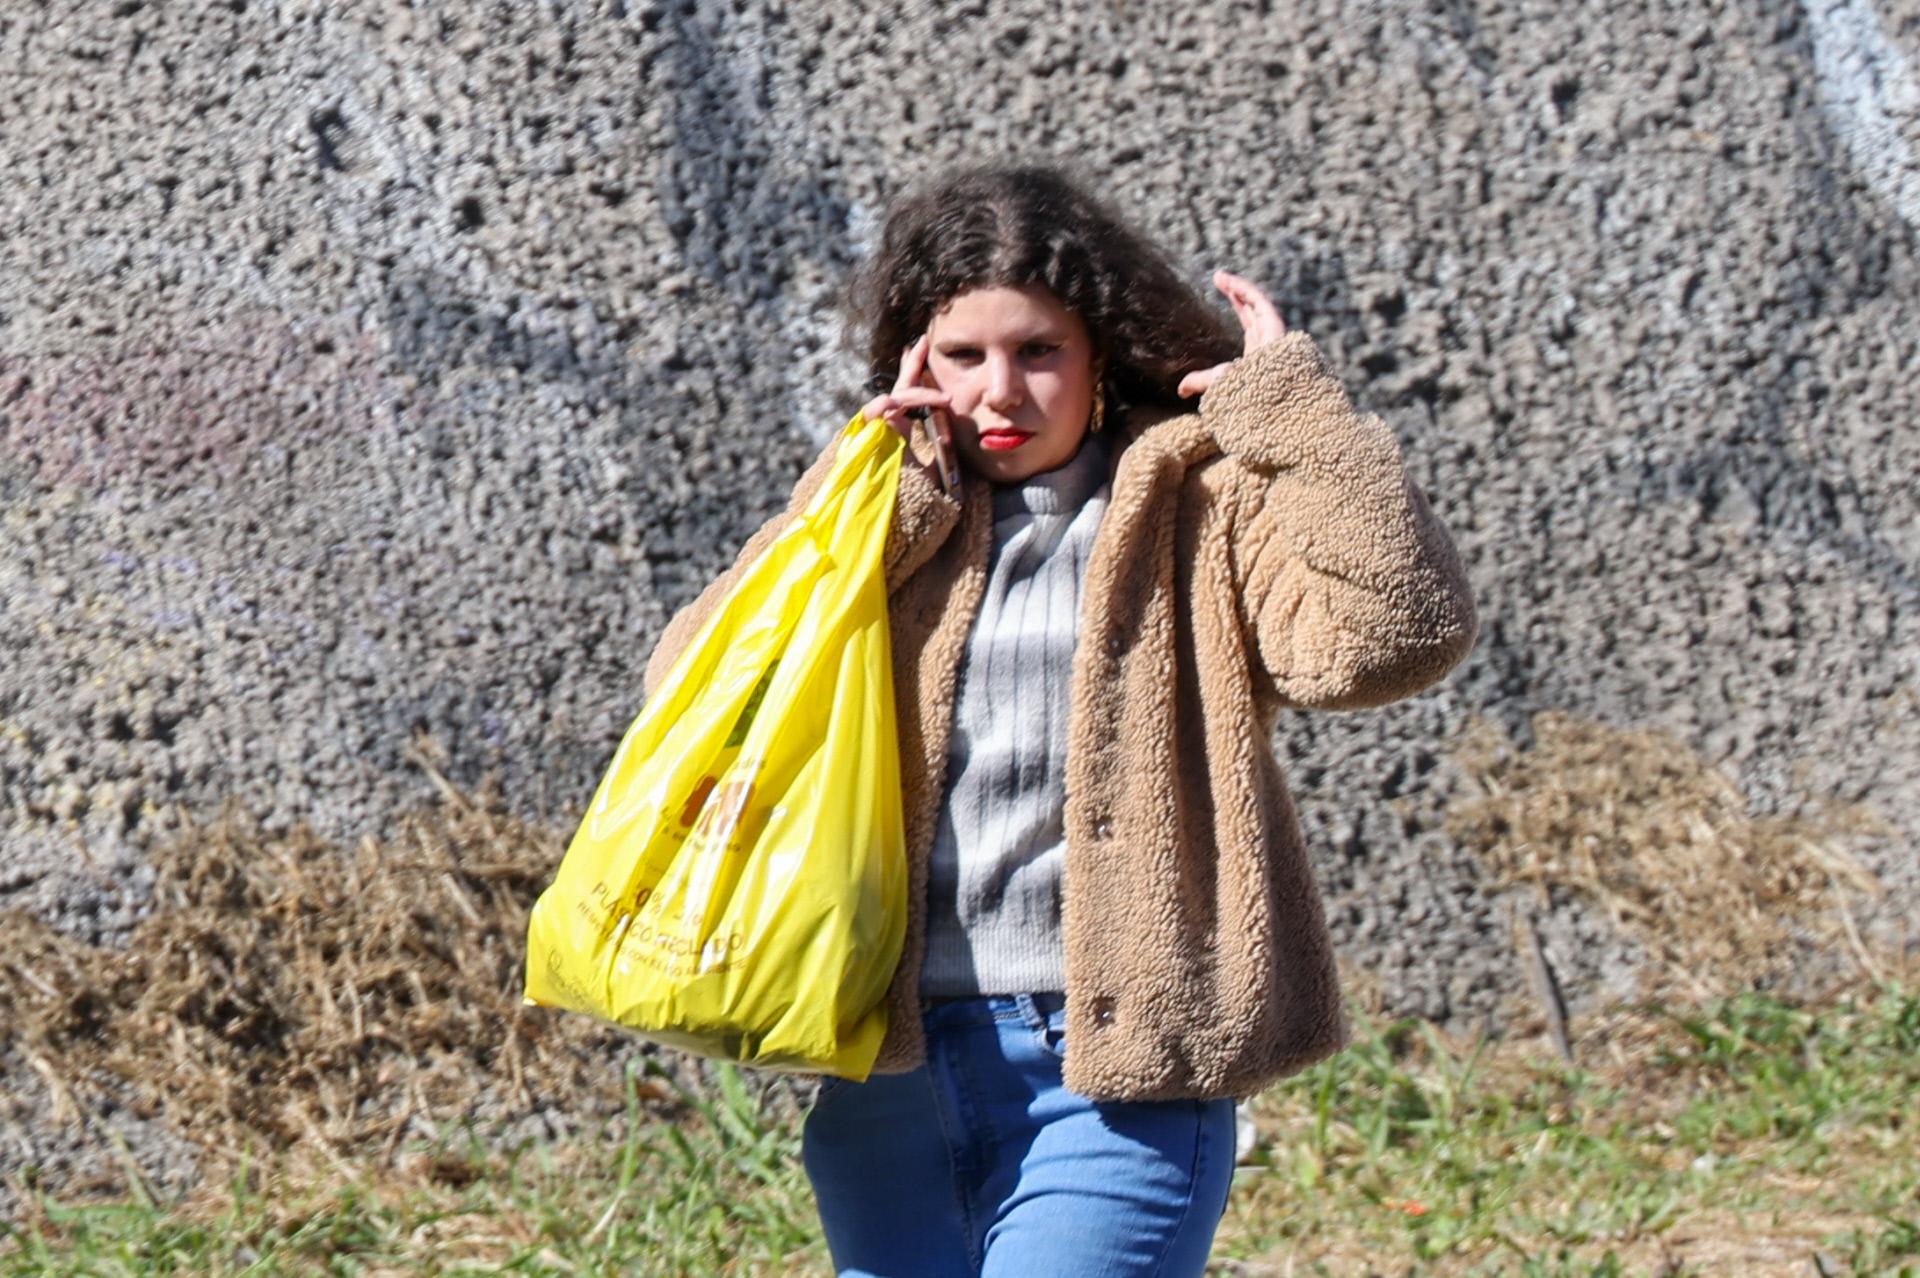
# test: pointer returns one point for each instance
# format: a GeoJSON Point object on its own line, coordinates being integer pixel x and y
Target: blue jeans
{"type": "Point", "coordinates": [981, 1162]}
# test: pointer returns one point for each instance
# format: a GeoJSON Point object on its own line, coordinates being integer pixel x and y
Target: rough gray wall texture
{"type": "Point", "coordinates": [371, 367]}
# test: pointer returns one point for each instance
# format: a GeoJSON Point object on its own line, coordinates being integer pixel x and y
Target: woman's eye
{"type": "Point", "coordinates": [1039, 350]}
{"type": "Point", "coordinates": [961, 355]}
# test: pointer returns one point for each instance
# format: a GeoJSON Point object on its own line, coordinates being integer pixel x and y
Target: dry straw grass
{"type": "Point", "coordinates": [1721, 898]}
{"type": "Point", "coordinates": [284, 991]}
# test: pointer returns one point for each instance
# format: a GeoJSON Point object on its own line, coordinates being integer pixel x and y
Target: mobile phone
{"type": "Point", "coordinates": [943, 457]}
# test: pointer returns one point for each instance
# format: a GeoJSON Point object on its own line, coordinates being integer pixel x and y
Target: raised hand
{"type": "Point", "coordinates": [902, 405]}
{"type": "Point", "coordinates": [909, 401]}
{"type": "Point", "coordinates": [1259, 320]}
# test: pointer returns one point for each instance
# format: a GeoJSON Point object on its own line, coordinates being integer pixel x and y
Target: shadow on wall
{"type": "Point", "coordinates": [740, 206]}
{"type": "Point", "coordinates": [764, 222]}
{"type": "Point", "coordinates": [1783, 477]}
{"type": "Point", "coordinates": [436, 328]}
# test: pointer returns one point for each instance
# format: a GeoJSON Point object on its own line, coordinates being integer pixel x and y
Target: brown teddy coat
{"type": "Point", "coordinates": [1268, 551]}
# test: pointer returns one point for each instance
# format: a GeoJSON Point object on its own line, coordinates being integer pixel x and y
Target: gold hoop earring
{"type": "Point", "coordinates": [1099, 410]}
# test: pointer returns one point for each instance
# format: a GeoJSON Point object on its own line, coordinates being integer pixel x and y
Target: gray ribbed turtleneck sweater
{"type": "Point", "coordinates": [993, 883]}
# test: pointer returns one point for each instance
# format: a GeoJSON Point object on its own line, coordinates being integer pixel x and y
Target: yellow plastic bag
{"type": "Point", "coordinates": [738, 886]}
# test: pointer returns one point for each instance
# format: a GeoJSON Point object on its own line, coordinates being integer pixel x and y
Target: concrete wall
{"type": "Point", "coordinates": [368, 368]}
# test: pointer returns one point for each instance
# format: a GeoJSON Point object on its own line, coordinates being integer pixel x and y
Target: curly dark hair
{"type": "Point", "coordinates": [1011, 226]}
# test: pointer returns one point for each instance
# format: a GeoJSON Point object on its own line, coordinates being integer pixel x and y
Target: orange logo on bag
{"type": "Point", "coordinates": [697, 800]}
{"type": "Point", "coordinates": [724, 809]}
{"type": "Point", "coordinates": [715, 808]}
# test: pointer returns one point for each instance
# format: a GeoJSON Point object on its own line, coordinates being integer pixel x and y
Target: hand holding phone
{"type": "Point", "coordinates": [912, 399]}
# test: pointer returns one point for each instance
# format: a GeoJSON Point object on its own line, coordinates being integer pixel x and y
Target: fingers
{"type": "Point", "coordinates": [1239, 290]}
{"type": "Point", "coordinates": [913, 363]}
{"type": "Point", "coordinates": [1235, 290]}
{"type": "Point", "coordinates": [913, 397]}
{"type": "Point", "coordinates": [897, 408]}
{"type": "Point", "coordinates": [1259, 320]}
{"type": "Point", "coordinates": [910, 398]}
{"type": "Point", "coordinates": [1258, 316]}
{"type": "Point", "coordinates": [1198, 381]}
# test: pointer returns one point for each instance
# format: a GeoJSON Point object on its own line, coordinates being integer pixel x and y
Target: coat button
{"type": "Point", "coordinates": [1103, 1011]}
{"type": "Point", "coordinates": [1115, 646]}
{"type": "Point", "coordinates": [1102, 829]}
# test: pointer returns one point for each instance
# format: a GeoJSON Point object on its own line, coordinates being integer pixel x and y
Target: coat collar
{"type": "Point", "coordinates": [1175, 433]}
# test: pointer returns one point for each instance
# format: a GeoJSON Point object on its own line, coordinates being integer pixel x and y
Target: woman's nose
{"type": "Point", "coordinates": [1003, 385]}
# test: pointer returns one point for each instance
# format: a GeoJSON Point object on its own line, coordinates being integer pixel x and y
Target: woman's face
{"type": "Point", "coordinates": [1018, 368]}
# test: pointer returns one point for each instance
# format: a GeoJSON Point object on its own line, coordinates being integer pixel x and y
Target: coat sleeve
{"type": "Point", "coordinates": [1351, 589]}
{"type": "Point", "coordinates": [923, 515]}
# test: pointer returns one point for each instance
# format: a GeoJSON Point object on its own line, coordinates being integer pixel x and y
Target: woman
{"type": "Point", "coordinates": [1114, 929]}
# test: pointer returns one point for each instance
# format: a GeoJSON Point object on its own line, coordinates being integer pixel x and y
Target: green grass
{"type": "Point", "coordinates": [1748, 1137]}
{"type": "Point", "coordinates": [1750, 1126]}
{"type": "Point", "coordinates": [719, 1193]}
